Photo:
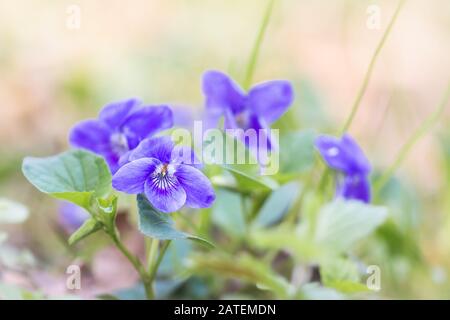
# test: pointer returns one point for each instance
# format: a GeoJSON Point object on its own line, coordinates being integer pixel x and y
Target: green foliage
{"type": "Point", "coordinates": [277, 205]}
{"type": "Point", "coordinates": [228, 213]}
{"type": "Point", "coordinates": [341, 224]}
{"type": "Point", "coordinates": [243, 267]}
{"type": "Point", "coordinates": [298, 151]}
{"type": "Point", "coordinates": [249, 181]}
{"type": "Point", "coordinates": [158, 225]}
{"type": "Point", "coordinates": [89, 226]}
{"type": "Point", "coordinates": [342, 275]}
{"type": "Point", "coordinates": [75, 176]}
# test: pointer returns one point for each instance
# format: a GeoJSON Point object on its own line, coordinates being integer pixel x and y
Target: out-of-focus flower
{"type": "Point", "coordinates": [345, 156]}
{"type": "Point", "coordinates": [168, 175]}
{"type": "Point", "coordinates": [183, 116]}
{"type": "Point", "coordinates": [257, 109]}
{"type": "Point", "coordinates": [119, 129]}
{"type": "Point", "coordinates": [71, 216]}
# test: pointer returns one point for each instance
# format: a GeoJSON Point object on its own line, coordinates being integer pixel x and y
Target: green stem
{"type": "Point", "coordinates": [254, 54]}
{"type": "Point", "coordinates": [369, 71]}
{"type": "Point", "coordinates": [422, 130]}
{"type": "Point", "coordinates": [153, 250]}
{"type": "Point", "coordinates": [155, 267]}
{"type": "Point", "coordinates": [134, 261]}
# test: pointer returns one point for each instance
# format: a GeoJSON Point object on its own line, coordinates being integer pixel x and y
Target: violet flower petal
{"type": "Point", "coordinates": [92, 135]}
{"type": "Point", "coordinates": [146, 121]}
{"type": "Point", "coordinates": [115, 113]}
{"type": "Point", "coordinates": [155, 147]}
{"type": "Point", "coordinates": [356, 187]}
{"type": "Point", "coordinates": [185, 155]}
{"type": "Point", "coordinates": [222, 92]}
{"type": "Point", "coordinates": [343, 154]}
{"type": "Point", "coordinates": [269, 100]}
{"type": "Point", "coordinates": [131, 177]}
{"type": "Point", "coordinates": [199, 191]}
{"type": "Point", "coordinates": [165, 194]}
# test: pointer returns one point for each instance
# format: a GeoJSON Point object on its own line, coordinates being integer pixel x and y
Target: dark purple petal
{"type": "Point", "coordinates": [165, 193]}
{"type": "Point", "coordinates": [199, 191]}
{"type": "Point", "coordinates": [92, 135]}
{"type": "Point", "coordinates": [222, 93]}
{"type": "Point", "coordinates": [263, 131]}
{"type": "Point", "coordinates": [115, 113]}
{"type": "Point", "coordinates": [343, 154]}
{"type": "Point", "coordinates": [269, 100]}
{"type": "Point", "coordinates": [332, 152]}
{"type": "Point", "coordinates": [71, 216]}
{"type": "Point", "coordinates": [146, 121]}
{"type": "Point", "coordinates": [230, 120]}
{"type": "Point", "coordinates": [354, 187]}
{"type": "Point", "coordinates": [131, 177]}
{"type": "Point", "coordinates": [360, 163]}
{"type": "Point", "coordinates": [112, 159]}
{"type": "Point", "coordinates": [185, 155]}
{"type": "Point", "coordinates": [155, 147]}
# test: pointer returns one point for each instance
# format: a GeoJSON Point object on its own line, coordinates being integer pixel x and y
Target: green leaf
{"type": "Point", "coordinates": [297, 151]}
{"type": "Point", "coordinates": [287, 239]}
{"type": "Point", "coordinates": [155, 224]}
{"type": "Point", "coordinates": [342, 275]}
{"type": "Point", "coordinates": [243, 267]}
{"type": "Point", "coordinates": [227, 213]}
{"type": "Point", "coordinates": [250, 182]}
{"type": "Point", "coordinates": [314, 291]}
{"type": "Point", "coordinates": [341, 224]}
{"type": "Point", "coordinates": [277, 205]}
{"type": "Point", "coordinates": [89, 227]}
{"type": "Point", "coordinates": [74, 175]}
{"type": "Point", "coordinates": [232, 155]}
{"type": "Point", "coordinates": [12, 212]}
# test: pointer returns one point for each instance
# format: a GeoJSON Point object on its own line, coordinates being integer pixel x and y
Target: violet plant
{"type": "Point", "coordinates": [129, 150]}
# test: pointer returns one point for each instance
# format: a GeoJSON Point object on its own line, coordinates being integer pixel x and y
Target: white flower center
{"type": "Point", "coordinates": [119, 143]}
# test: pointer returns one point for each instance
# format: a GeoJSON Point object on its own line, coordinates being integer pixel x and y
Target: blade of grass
{"type": "Point", "coordinates": [369, 71]}
{"type": "Point", "coordinates": [419, 133]}
{"type": "Point", "coordinates": [257, 45]}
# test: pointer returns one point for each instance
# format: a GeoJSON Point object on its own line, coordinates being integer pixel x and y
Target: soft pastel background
{"type": "Point", "coordinates": [52, 76]}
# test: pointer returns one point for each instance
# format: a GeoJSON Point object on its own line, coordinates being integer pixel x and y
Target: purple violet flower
{"type": "Point", "coordinates": [257, 109]}
{"type": "Point", "coordinates": [345, 156]}
{"type": "Point", "coordinates": [71, 216]}
{"type": "Point", "coordinates": [120, 127]}
{"type": "Point", "coordinates": [168, 175]}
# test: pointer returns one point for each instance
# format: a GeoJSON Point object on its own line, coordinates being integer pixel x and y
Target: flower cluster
{"type": "Point", "coordinates": [345, 156]}
{"type": "Point", "coordinates": [120, 127]}
{"type": "Point", "coordinates": [166, 174]}
{"type": "Point", "coordinates": [124, 134]}
{"type": "Point", "coordinates": [257, 109]}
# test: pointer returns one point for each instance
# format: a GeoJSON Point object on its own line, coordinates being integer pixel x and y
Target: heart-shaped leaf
{"type": "Point", "coordinates": [341, 224]}
{"type": "Point", "coordinates": [74, 176]}
{"type": "Point", "coordinates": [158, 225]}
